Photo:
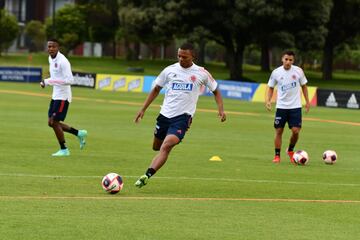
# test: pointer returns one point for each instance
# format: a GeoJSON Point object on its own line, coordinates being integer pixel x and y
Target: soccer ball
{"type": "Point", "coordinates": [301, 157]}
{"type": "Point", "coordinates": [329, 157]}
{"type": "Point", "coordinates": [112, 183]}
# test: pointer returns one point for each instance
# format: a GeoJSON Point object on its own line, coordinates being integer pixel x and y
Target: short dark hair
{"type": "Point", "coordinates": [187, 46]}
{"type": "Point", "coordinates": [53, 40]}
{"type": "Point", "coordinates": [289, 52]}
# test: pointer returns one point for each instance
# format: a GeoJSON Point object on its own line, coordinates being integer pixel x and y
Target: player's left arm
{"type": "Point", "coordinates": [306, 96]}
{"type": "Point", "coordinates": [219, 102]}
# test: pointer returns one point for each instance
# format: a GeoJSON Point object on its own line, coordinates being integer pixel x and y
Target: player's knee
{"type": "Point", "coordinates": [50, 124]}
{"type": "Point", "coordinates": [166, 147]}
{"type": "Point", "coordinates": [295, 131]}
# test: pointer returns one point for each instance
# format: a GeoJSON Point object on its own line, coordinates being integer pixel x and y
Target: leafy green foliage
{"type": "Point", "coordinates": [8, 29]}
{"type": "Point", "coordinates": [35, 30]}
{"type": "Point", "coordinates": [69, 28]}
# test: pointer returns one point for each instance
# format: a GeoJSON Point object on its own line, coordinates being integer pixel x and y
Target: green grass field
{"type": "Point", "coordinates": [244, 196]}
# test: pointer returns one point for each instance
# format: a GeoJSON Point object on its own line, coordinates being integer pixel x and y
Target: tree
{"type": "Point", "coordinates": [99, 14]}
{"type": "Point", "coordinates": [143, 21]}
{"type": "Point", "coordinates": [291, 24]}
{"type": "Point", "coordinates": [35, 30]}
{"type": "Point", "coordinates": [267, 31]}
{"type": "Point", "coordinates": [69, 29]}
{"type": "Point", "coordinates": [230, 24]}
{"type": "Point", "coordinates": [344, 24]}
{"type": "Point", "coordinates": [9, 29]}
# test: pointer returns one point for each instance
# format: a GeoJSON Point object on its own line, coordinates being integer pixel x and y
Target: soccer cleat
{"type": "Point", "coordinates": [291, 154]}
{"type": "Point", "coordinates": [142, 181]}
{"type": "Point", "coordinates": [62, 153]}
{"type": "Point", "coordinates": [82, 138]}
{"type": "Point", "coordinates": [276, 159]}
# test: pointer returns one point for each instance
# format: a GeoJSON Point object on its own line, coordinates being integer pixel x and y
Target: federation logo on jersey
{"type": "Point", "coordinates": [193, 78]}
{"type": "Point", "coordinates": [182, 86]}
{"type": "Point", "coordinates": [56, 65]}
{"type": "Point", "coordinates": [293, 77]}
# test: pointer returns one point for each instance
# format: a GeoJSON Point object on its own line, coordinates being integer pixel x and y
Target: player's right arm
{"type": "Point", "coordinates": [269, 94]}
{"type": "Point", "coordinates": [150, 98]}
{"type": "Point", "coordinates": [270, 90]}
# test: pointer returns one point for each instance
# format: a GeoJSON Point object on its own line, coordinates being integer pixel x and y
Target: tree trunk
{"type": "Point", "coordinates": [114, 49]}
{"type": "Point", "coordinates": [328, 56]}
{"type": "Point", "coordinates": [265, 57]}
{"type": "Point", "coordinates": [137, 51]}
{"type": "Point", "coordinates": [235, 61]}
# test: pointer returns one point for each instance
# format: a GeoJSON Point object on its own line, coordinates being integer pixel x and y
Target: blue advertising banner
{"type": "Point", "coordinates": [20, 74]}
{"type": "Point", "coordinates": [148, 81]}
{"type": "Point", "coordinates": [148, 84]}
{"type": "Point", "coordinates": [238, 90]}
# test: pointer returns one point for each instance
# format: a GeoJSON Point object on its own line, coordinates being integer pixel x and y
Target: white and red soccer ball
{"type": "Point", "coordinates": [329, 157]}
{"type": "Point", "coordinates": [112, 183]}
{"type": "Point", "coordinates": [300, 157]}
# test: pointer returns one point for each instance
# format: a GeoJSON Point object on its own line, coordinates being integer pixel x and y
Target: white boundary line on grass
{"type": "Point", "coordinates": [191, 178]}
{"type": "Point", "coordinates": [122, 198]}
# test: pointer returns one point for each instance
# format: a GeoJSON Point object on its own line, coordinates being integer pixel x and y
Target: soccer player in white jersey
{"type": "Point", "coordinates": [290, 80]}
{"type": "Point", "coordinates": [60, 79]}
{"type": "Point", "coordinates": [183, 82]}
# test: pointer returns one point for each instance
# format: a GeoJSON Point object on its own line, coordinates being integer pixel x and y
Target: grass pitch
{"type": "Point", "coordinates": [244, 196]}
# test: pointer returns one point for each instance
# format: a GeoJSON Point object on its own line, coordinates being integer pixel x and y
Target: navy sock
{"type": "Point", "coordinates": [291, 148]}
{"type": "Point", "coordinates": [277, 152]}
{"type": "Point", "coordinates": [73, 131]}
{"type": "Point", "coordinates": [62, 145]}
{"type": "Point", "coordinates": [150, 172]}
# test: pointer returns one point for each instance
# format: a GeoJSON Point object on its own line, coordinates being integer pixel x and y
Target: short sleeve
{"type": "Point", "coordinates": [210, 81]}
{"type": "Point", "coordinates": [303, 79]}
{"type": "Point", "coordinates": [272, 80]}
{"type": "Point", "coordinates": [161, 79]}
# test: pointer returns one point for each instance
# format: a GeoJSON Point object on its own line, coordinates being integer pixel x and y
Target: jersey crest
{"type": "Point", "coordinates": [193, 78]}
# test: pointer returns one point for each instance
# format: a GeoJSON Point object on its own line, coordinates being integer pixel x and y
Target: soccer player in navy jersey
{"type": "Point", "coordinates": [290, 80]}
{"type": "Point", "coordinates": [60, 79]}
{"type": "Point", "coordinates": [184, 81]}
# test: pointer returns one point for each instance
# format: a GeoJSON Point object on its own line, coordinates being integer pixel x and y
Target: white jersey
{"type": "Point", "coordinates": [289, 84]}
{"type": "Point", "coordinates": [183, 87]}
{"type": "Point", "coordinates": [60, 77]}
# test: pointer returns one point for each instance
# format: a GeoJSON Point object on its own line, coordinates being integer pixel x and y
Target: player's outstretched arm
{"type": "Point", "coordinates": [219, 102]}
{"type": "Point", "coordinates": [150, 98]}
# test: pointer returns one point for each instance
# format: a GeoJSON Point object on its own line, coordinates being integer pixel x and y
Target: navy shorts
{"type": "Point", "coordinates": [58, 109]}
{"type": "Point", "coordinates": [291, 116]}
{"type": "Point", "coordinates": [177, 126]}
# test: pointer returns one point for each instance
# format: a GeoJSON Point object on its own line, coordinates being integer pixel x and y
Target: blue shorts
{"type": "Point", "coordinates": [177, 126]}
{"type": "Point", "coordinates": [58, 109]}
{"type": "Point", "coordinates": [292, 116]}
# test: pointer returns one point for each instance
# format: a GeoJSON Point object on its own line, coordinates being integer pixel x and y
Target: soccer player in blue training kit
{"type": "Point", "coordinates": [184, 81]}
{"type": "Point", "coordinates": [289, 79]}
{"type": "Point", "coordinates": [61, 79]}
